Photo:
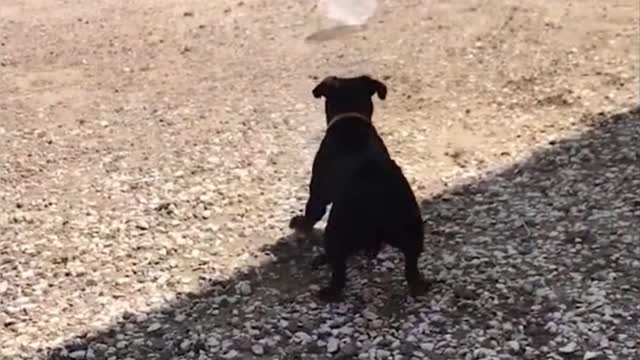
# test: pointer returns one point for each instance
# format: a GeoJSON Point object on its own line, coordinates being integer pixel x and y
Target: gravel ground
{"type": "Point", "coordinates": [152, 153]}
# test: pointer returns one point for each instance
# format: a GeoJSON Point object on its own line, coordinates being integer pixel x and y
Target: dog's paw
{"type": "Point", "coordinates": [300, 225]}
{"type": "Point", "coordinates": [297, 222]}
{"type": "Point", "coordinates": [419, 288]}
{"type": "Point", "coordinates": [318, 261]}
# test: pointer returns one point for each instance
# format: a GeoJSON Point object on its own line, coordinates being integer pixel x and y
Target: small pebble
{"type": "Point", "coordinates": [257, 349]}
{"type": "Point", "coordinates": [232, 354]}
{"type": "Point", "coordinates": [382, 354]}
{"type": "Point", "coordinates": [142, 225]}
{"type": "Point", "coordinates": [154, 327]}
{"type": "Point", "coordinates": [569, 348]}
{"type": "Point", "coordinates": [243, 288]}
{"type": "Point", "coordinates": [78, 354]}
{"type": "Point", "coordinates": [427, 346]}
{"type": "Point", "coordinates": [333, 345]}
{"type": "Point", "coordinates": [590, 355]}
{"type": "Point", "coordinates": [303, 337]}
{"type": "Point", "coordinates": [185, 345]}
{"type": "Point", "coordinates": [348, 351]}
{"type": "Point", "coordinates": [514, 345]}
{"type": "Point", "coordinates": [213, 342]}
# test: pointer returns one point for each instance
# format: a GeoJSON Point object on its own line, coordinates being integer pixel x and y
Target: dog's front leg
{"type": "Point", "coordinates": [315, 208]}
{"type": "Point", "coordinates": [319, 199]}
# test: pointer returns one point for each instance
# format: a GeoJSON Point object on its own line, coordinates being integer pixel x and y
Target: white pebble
{"type": "Point", "coordinates": [590, 355]}
{"type": "Point", "coordinates": [333, 345]}
{"type": "Point", "coordinates": [514, 345]}
{"type": "Point", "coordinates": [382, 354]}
{"type": "Point", "coordinates": [369, 315]}
{"type": "Point", "coordinates": [78, 354]}
{"type": "Point", "coordinates": [427, 346]}
{"type": "Point", "coordinates": [154, 327]}
{"type": "Point", "coordinates": [213, 342]}
{"type": "Point", "coordinates": [569, 348]}
{"type": "Point", "coordinates": [257, 349]}
{"type": "Point", "coordinates": [243, 288]}
{"type": "Point", "coordinates": [185, 345]}
{"type": "Point", "coordinates": [303, 337]}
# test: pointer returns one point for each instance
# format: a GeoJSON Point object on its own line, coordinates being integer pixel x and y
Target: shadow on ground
{"type": "Point", "coordinates": [542, 257]}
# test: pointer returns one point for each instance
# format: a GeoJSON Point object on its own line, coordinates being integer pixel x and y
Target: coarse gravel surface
{"type": "Point", "coordinates": [152, 153]}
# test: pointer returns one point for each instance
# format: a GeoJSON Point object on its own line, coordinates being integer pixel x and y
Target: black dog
{"type": "Point", "coordinates": [373, 203]}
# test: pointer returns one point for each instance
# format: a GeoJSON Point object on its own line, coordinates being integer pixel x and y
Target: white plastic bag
{"type": "Point", "coordinates": [348, 12]}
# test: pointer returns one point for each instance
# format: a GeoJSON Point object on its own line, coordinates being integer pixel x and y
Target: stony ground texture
{"type": "Point", "coordinates": [152, 152]}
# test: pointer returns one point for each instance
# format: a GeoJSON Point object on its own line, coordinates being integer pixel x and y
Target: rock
{"type": "Point", "coordinates": [185, 345]}
{"type": "Point", "coordinates": [514, 345]}
{"type": "Point", "coordinates": [427, 346]}
{"type": "Point", "coordinates": [590, 355]}
{"type": "Point", "coordinates": [78, 354]}
{"type": "Point", "coordinates": [154, 327]}
{"type": "Point", "coordinates": [303, 337]}
{"type": "Point", "coordinates": [257, 349]}
{"type": "Point", "coordinates": [552, 327]}
{"type": "Point", "coordinates": [482, 353]}
{"type": "Point", "coordinates": [570, 348]}
{"type": "Point", "coordinates": [348, 351]}
{"type": "Point", "coordinates": [231, 354]}
{"type": "Point", "coordinates": [382, 354]}
{"type": "Point", "coordinates": [604, 342]}
{"type": "Point", "coordinates": [213, 342]}
{"type": "Point", "coordinates": [465, 293]}
{"type": "Point", "coordinates": [243, 288]}
{"type": "Point", "coordinates": [369, 315]}
{"type": "Point", "coordinates": [333, 345]}
{"type": "Point", "coordinates": [376, 324]}
{"type": "Point", "coordinates": [142, 225]}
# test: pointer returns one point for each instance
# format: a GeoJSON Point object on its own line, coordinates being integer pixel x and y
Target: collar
{"type": "Point", "coordinates": [346, 115]}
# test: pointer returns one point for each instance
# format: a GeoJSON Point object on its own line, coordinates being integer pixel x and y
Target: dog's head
{"type": "Point", "coordinates": [345, 95]}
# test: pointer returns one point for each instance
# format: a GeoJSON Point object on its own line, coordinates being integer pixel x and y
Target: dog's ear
{"type": "Point", "coordinates": [378, 87]}
{"type": "Point", "coordinates": [322, 89]}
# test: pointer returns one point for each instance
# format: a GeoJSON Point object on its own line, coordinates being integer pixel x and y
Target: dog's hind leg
{"type": "Point", "coordinates": [336, 256]}
{"type": "Point", "coordinates": [417, 284]}
{"type": "Point", "coordinates": [338, 280]}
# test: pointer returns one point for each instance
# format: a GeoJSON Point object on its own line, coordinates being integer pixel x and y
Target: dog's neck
{"type": "Point", "coordinates": [339, 117]}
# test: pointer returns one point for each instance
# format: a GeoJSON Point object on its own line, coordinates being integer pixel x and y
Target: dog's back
{"type": "Point", "coordinates": [348, 144]}
{"type": "Point", "coordinates": [377, 199]}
